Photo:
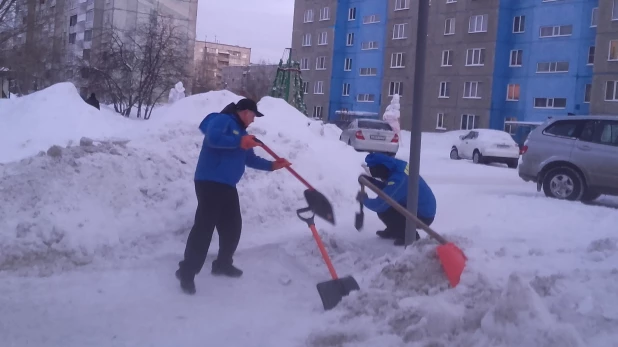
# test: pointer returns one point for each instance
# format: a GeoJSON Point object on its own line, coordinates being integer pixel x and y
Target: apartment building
{"type": "Point", "coordinates": [210, 58]}
{"type": "Point", "coordinates": [604, 96]}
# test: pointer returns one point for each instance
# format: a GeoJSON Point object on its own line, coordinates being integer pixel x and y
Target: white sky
{"type": "Point", "coordinates": [263, 25]}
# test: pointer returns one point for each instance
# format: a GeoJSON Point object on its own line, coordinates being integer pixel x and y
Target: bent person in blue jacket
{"type": "Point", "coordinates": [393, 181]}
{"type": "Point", "coordinates": [226, 150]}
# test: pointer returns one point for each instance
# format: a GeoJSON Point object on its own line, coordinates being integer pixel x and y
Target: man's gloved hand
{"type": "Point", "coordinates": [248, 141]}
{"type": "Point", "coordinates": [280, 164]}
{"type": "Point", "coordinates": [361, 196]}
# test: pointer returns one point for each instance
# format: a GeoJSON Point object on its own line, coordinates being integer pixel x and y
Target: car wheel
{"type": "Point", "coordinates": [513, 163]}
{"type": "Point", "coordinates": [477, 157]}
{"type": "Point", "coordinates": [455, 154]}
{"type": "Point", "coordinates": [563, 183]}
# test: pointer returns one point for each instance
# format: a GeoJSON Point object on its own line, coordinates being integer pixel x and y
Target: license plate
{"type": "Point", "coordinates": [377, 137]}
{"type": "Point", "coordinates": [503, 146]}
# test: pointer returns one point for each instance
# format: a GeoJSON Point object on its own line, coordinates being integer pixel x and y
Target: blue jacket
{"type": "Point", "coordinates": [396, 187]}
{"type": "Point", "coordinates": [221, 158]}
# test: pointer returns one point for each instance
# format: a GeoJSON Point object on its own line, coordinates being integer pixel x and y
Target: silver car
{"type": "Point", "coordinates": [371, 135]}
{"type": "Point", "coordinates": [573, 158]}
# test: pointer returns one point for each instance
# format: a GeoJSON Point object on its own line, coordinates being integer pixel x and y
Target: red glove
{"type": "Point", "coordinates": [248, 141]}
{"type": "Point", "coordinates": [280, 164]}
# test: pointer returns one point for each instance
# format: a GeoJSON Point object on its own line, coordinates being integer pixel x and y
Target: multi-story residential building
{"type": "Point", "coordinates": [209, 60]}
{"type": "Point", "coordinates": [604, 96]}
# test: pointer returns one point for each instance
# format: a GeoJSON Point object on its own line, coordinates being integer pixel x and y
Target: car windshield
{"type": "Point", "coordinates": [374, 125]}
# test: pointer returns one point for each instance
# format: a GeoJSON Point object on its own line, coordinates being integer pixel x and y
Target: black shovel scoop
{"type": "Point", "coordinates": [359, 221]}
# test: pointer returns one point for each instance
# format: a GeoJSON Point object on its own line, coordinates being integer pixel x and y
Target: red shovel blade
{"type": "Point", "coordinates": [453, 261]}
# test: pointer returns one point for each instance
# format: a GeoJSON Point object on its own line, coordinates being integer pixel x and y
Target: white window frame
{"type": "Point", "coordinates": [304, 64]}
{"type": "Point", "coordinates": [591, 54]}
{"type": "Point", "coordinates": [510, 92]}
{"type": "Point", "coordinates": [308, 17]}
{"type": "Point", "coordinates": [611, 98]}
{"type": "Point", "coordinates": [320, 63]}
{"type": "Point", "coordinates": [369, 45]}
{"type": "Point", "coordinates": [323, 38]}
{"type": "Point", "coordinates": [350, 40]}
{"type": "Point", "coordinates": [345, 89]}
{"type": "Point", "coordinates": [472, 88]}
{"type": "Point", "coordinates": [449, 58]}
{"type": "Point", "coordinates": [468, 117]}
{"type": "Point", "coordinates": [395, 87]}
{"type": "Point", "coordinates": [549, 103]}
{"type": "Point", "coordinates": [553, 67]}
{"type": "Point", "coordinates": [398, 60]}
{"type": "Point", "coordinates": [347, 64]}
{"type": "Point", "coordinates": [364, 97]}
{"type": "Point", "coordinates": [367, 71]}
{"type": "Point", "coordinates": [89, 16]}
{"type": "Point", "coordinates": [402, 5]}
{"type": "Point", "coordinates": [371, 19]}
{"type": "Point", "coordinates": [318, 87]}
{"type": "Point", "coordinates": [480, 56]}
{"type": "Point", "coordinates": [318, 111]}
{"type": "Point", "coordinates": [475, 27]}
{"type": "Point", "coordinates": [594, 18]}
{"type": "Point", "coordinates": [305, 87]}
{"type": "Point", "coordinates": [587, 92]}
{"type": "Point", "coordinates": [517, 52]}
{"type": "Point", "coordinates": [615, 10]}
{"type": "Point", "coordinates": [444, 92]}
{"type": "Point", "coordinates": [306, 40]}
{"type": "Point", "coordinates": [451, 1]}
{"type": "Point", "coordinates": [556, 31]}
{"type": "Point", "coordinates": [521, 28]}
{"type": "Point", "coordinates": [440, 121]}
{"type": "Point", "coordinates": [510, 128]}
{"type": "Point", "coordinates": [613, 57]}
{"type": "Point", "coordinates": [399, 31]}
{"type": "Point", "coordinates": [449, 24]}
{"type": "Point", "coordinates": [352, 13]}
{"type": "Point", "coordinates": [325, 13]}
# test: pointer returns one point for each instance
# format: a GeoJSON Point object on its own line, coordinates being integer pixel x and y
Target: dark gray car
{"type": "Point", "coordinates": [573, 158]}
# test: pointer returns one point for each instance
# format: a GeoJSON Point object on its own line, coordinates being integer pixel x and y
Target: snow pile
{"type": "Point", "coordinates": [110, 199]}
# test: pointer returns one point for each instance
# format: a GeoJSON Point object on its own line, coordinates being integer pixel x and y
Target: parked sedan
{"type": "Point", "coordinates": [371, 135]}
{"type": "Point", "coordinates": [486, 146]}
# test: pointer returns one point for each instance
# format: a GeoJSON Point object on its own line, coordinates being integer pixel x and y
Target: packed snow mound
{"type": "Point", "coordinates": [53, 116]}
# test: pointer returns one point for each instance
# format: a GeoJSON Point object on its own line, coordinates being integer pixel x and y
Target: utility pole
{"type": "Point", "coordinates": [417, 117]}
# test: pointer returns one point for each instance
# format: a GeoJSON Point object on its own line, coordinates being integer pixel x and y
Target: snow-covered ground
{"type": "Point", "coordinates": [91, 234]}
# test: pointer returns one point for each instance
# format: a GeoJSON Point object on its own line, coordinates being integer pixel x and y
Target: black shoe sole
{"type": "Point", "coordinates": [216, 273]}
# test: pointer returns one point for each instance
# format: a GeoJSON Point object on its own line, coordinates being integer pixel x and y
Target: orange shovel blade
{"type": "Point", "coordinates": [453, 261]}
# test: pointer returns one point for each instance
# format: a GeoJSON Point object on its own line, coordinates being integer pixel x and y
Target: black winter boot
{"type": "Point", "coordinates": [225, 270]}
{"type": "Point", "coordinates": [186, 283]}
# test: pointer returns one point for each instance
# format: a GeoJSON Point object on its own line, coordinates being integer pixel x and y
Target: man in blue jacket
{"type": "Point", "coordinates": [393, 175]}
{"type": "Point", "coordinates": [226, 150]}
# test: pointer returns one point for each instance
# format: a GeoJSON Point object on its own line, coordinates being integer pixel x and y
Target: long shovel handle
{"type": "Point", "coordinates": [365, 182]}
{"type": "Point", "coordinates": [274, 155]}
{"type": "Point", "coordinates": [325, 256]}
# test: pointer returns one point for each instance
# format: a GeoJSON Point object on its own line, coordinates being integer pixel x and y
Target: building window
{"type": "Point", "coordinates": [73, 20]}
{"type": "Point", "coordinates": [587, 90]}
{"type": "Point", "coordinates": [347, 66]}
{"type": "Point", "coordinates": [449, 26]}
{"type": "Point", "coordinates": [325, 13]}
{"type": "Point", "coordinates": [613, 49]}
{"type": "Point", "coordinates": [304, 64]}
{"type": "Point", "coordinates": [86, 54]}
{"type": "Point", "coordinates": [397, 60]}
{"type": "Point", "coordinates": [350, 40]}
{"type": "Point", "coordinates": [308, 16]}
{"type": "Point", "coordinates": [346, 89]}
{"type": "Point", "coordinates": [615, 10]}
{"type": "Point", "coordinates": [552, 67]}
{"type": "Point", "coordinates": [549, 102]}
{"type": "Point", "coordinates": [72, 38]}
{"type": "Point", "coordinates": [516, 57]}
{"type": "Point", "coordinates": [305, 87]}
{"type": "Point", "coordinates": [450, 1]}
{"type": "Point", "coordinates": [445, 90]}
{"type": "Point", "coordinates": [478, 24]}
{"type": "Point", "coordinates": [469, 121]}
{"type": "Point", "coordinates": [440, 121]}
{"type": "Point", "coordinates": [365, 98]}
{"type": "Point", "coordinates": [447, 58]}
{"type": "Point", "coordinates": [318, 87]}
{"type": "Point", "coordinates": [323, 38]}
{"type": "Point", "coordinates": [611, 91]}
{"type": "Point", "coordinates": [368, 71]}
{"type": "Point", "coordinates": [374, 18]}
{"type": "Point", "coordinates": [320, 63]}
{"type": "Point", "coordinates": [475, 57]}
{"type": "Point", "coordinates": [402, 4]}
{"type": "Point", "coordinates": [471, 90]}
{"type": "Point", "coordinates": [352, 13]}
{"type": "Point", "coordinates": [317, 112]}
{"type": "Point", "coordinates": [306, 40]}
{"type": "Point", "coordinates": [88, 35]}
{"type": "Point", "coordinates": [519, 24]}
{"type": "Point", "coordinates": [591, 50]}
{"type": "Point", "coordinates": [395, 88]}
{"type": "Point", "coordinates": [508, 127]}
{"type": "Point", "coordinates": [399, 31]}
{"type": "Point", "coordinates": [512, 92]}
{"type": "Point", "coordinates": [369, 45]}
{"type": "Point", "coordinates": [595, 17]}
{"type": "Point", "coordinates": [89, 15]}
{"type": "Point", "coordinates": [555, 31]}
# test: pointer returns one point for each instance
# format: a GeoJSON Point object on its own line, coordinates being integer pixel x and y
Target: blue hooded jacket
{"type": "Point", "coordinates": [396, 186]}
{"type": "Point", "coordinates": [221, 158]}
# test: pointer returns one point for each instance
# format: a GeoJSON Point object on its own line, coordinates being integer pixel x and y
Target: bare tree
{"type": "Point", "coordinates": [204, 74]}
{"type": "Point", "coordinates": [257, 80]}
{"type": "Point", "coordinates": [137, 69]}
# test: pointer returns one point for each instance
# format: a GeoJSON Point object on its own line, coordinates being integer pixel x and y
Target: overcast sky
{"type": "Point", "coordinates": [263, 25]}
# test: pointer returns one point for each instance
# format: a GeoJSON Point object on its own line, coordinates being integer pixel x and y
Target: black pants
{"type": "Point", "coordinates": [217, 207]}
{"type": "Point", "coordinates": [396, 223]}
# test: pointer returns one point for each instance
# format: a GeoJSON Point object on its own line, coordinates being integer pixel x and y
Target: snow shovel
{"type": "Point", "coordinates": [331, 291]}
{"type": "Point", "coordinates": [317, 202]}
{"type": "Point", "coordinates": [359, 221]}
{"type": "Point", "coordinates": [451, 257]}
